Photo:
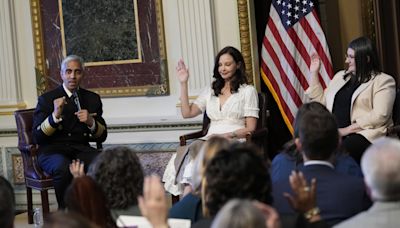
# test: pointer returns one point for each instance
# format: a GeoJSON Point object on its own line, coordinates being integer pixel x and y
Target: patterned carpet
{"type": "Point", "coordinates": [154, 162]}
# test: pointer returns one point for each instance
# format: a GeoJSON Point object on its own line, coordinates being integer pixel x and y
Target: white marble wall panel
{"type": "Point", "coordinates": [10, 93]}
{"type": "Point", "coordinates": [197, 41]}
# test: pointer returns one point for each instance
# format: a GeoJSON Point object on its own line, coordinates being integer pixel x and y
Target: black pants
{"type": "Point", "coordinates": [55, 160]}
{"type": "Point", "coordinates": [355, 145]}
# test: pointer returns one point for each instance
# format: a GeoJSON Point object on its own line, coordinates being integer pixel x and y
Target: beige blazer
{"type": "Point", "coordinates": [371, 103]}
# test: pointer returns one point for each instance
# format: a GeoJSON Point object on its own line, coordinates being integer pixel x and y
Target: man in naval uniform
{"type": "Point", "coordinates": [64, 122]}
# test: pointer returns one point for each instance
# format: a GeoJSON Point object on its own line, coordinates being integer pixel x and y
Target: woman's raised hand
{"type": "Point", "coordinates": [182, 72]}
{"type": "Point", "coordinates": [315, 63]}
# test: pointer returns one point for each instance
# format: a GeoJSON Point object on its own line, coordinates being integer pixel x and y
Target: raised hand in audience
{"type": "Point", "coordinates": [271, 215]}
{"type": "Point", "coordinates": [303, 199]}
{"type": "Point", "coordinates": [77, 168]}
{"type": "Point", "coordinates": [153, 204]}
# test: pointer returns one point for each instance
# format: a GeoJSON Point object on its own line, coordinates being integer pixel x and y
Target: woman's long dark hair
{"type": "Point", "coordinates": [366, 59]}
{"type": "Point", "coordinates": [238, 78]}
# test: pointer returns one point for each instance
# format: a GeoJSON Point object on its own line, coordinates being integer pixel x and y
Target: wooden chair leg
{"type": "Point", "coordinates": [45, 202]}
{"type": "Point", "coordinates": [30, 206]}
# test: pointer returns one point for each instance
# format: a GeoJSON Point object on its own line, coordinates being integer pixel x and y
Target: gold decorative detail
{"type": "Point", "coordinates": [160, 30]}
{"type": "Point", "coordinates": [40, 62]}
{"type": "Point", "coordinates": [7, 113]}
{"type": "Point", "coordinates": [18, 106]}
{"type": "Point", "coordinates": [47, 128]}
{"type": "Point", "coordinates": [368, 18]}
{"type": "Point", "coordinates": [245, 41]}
{"type": "Point", "coordinates": [100, 130]}
{"type": "Point", "coordinates": [18, 169]}
{"type": "Point", "coordinates": [162, 89]}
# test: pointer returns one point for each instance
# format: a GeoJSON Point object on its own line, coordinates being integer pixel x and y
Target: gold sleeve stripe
{"type": "Point", "coordinates": [100, 130]}
{"type": "Point", "coordinates": [47, 128]}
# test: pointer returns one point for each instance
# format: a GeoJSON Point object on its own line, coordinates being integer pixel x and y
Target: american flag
{"type": "Point", "coordinates": [292, 34]}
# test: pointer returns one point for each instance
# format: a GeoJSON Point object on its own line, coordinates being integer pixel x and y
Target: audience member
{"type": "Point", "coordinates": [230, 103]}
{"type": "Point", "coordinates": [381, 165]}
{"type": "Point", "coordinates": [239, 213]}
{"type": "Point", "coordinates": [291, 159]}
{"type": "Point", "coordinates": [86, 198]}
{"type": "Point", "coordinates": [64, 122]}
{"type": "Point", "coordinates": [361, 97]}
{"type": "Point", "coordinates": [189, 207]}
{"type": "Point", "coordinates": [61, 219]}
{"type": "Point", "coordinates": [7, 204]}
{"type": "Point", "coordinates": [235, 172]}
{"type": "Point", "coordinates": [153, 204]}
{"type": "Point", "coordinates": [318, 140]}
{"type": "Point", "coordinates": [117, 170]}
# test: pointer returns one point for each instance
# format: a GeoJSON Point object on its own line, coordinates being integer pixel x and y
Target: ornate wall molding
{"type": "Point", "coordinates": [40, 63]}
{"type": "Point", "coordinates": [111, 79]}
{"type": "Point", "coordinates": [117, 128]}
{"type": "Point", "coordinates": [368, 17]}
{"type": "Point", "coordinates": [245, 37]}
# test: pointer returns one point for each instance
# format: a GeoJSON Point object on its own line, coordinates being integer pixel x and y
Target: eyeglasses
{"type": "Point", "coordinates": [348, 56]}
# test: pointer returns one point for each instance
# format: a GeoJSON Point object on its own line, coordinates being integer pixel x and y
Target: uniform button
{"type": "Point", "coordinates": [84, 134]}
{"type": "Point", "coordinates": [69, 134]}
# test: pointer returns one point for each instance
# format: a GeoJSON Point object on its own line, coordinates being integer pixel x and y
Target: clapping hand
{"type": "Point", "coordinates": [77, 168]}
{"type": "Point", "coordinates": [271, 215]}
{"type": "Point", "coordinates": [304, 196]}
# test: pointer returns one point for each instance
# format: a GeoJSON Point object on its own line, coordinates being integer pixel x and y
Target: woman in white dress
{"type": "Point", "coordinates": [231, 105]}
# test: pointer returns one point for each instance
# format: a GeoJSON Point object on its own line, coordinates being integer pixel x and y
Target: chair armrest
{"type": "Point", "coordinates": [393, 131]}
{"type": "Point", "coordinates": [193, 135]}
{"type": "Point", "coordinates": [260, 133]}
{"type": "Point", "coordinates": [31, 166]}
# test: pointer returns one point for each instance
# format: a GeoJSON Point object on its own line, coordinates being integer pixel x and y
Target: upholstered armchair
{"type": "Point", "coordinates": [35, 178]}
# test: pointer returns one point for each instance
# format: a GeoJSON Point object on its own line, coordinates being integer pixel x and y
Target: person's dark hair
{"type": "Point", "coordinates": [290, 147]}
{"type": "Point", "coordinates": [7, 205]}
{"type": "Point", "coordinates": [318, 134]}
{"type": "Point", "coordinates": [86, 198]}
{"type": "Point", "coordinates": [236, 172]}
{"type": "Point", "coordinates": [119, 173]}
{"type": "Point", "coordinates": [238, 78]}
{"type": "Point", "coordinates": [310, 107]}
{"type": "Point", "coordinates": [62, 219]}
{"type": "Point", "coordinates": [366, 59]}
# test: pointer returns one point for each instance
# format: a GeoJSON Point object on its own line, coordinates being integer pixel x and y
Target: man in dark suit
{"type": "Point", "coordinates": [339, 196]}
{"type": "Point", "coordinates": [64, 122]}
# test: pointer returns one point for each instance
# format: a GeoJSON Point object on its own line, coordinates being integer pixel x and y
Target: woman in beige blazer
{"type": "Point", "coordinates": [361, 97]}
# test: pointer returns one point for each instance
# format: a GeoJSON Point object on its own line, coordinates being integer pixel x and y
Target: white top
{"type": "Point", "coordinates": [228, 118]}
{"type": "Point", "coordinates": [231, 116]}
